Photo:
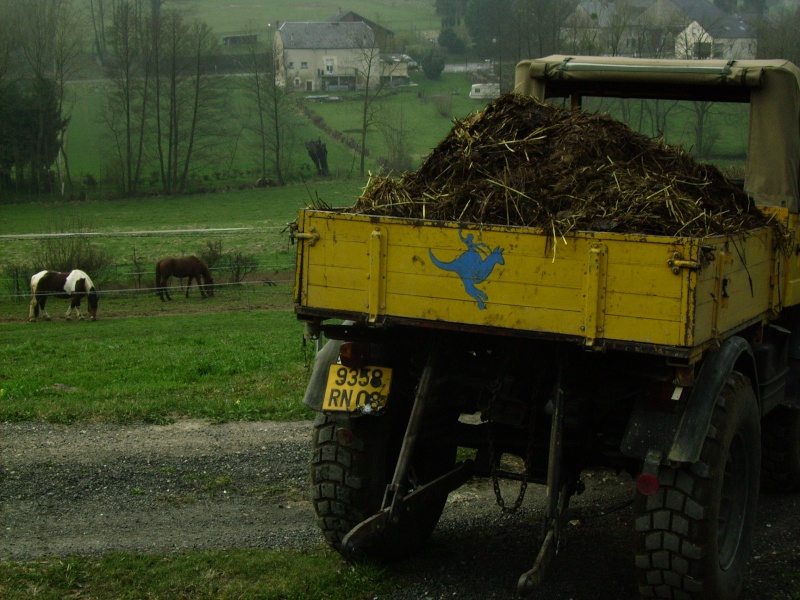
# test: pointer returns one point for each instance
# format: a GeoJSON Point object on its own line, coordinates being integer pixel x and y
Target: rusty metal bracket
{"type": "Point", "coordinates": [594, 293]}
{"type": "Point", "coordinates": [312, 236]}
{"type": "Point", "coordinates": [376, 273]}
{"type": "Point", "coordinates": [676, 263]}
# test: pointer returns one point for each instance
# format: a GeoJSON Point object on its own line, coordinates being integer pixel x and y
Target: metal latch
{"type": "Point", "coordinates": [676, 263]}
{"type": "Point", "coordinates": [312, 235]}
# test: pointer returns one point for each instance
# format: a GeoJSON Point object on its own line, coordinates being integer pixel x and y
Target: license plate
{"type": "Point", "coordinates": [351, 389]}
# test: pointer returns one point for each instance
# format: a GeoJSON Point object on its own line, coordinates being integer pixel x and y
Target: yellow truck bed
{"type": "Point", "coordinates": [667, 295]}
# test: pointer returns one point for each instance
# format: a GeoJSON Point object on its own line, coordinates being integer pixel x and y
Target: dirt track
{"type": "Point", "coordinates": [89, 489]}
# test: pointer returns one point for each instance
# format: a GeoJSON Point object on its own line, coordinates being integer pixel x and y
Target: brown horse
{"type": "Point", "coordinates": [187, 266]}
{"type": "Point", "coordinates": [73, 286]}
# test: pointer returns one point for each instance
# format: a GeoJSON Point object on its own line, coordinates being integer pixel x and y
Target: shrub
{"type": "Point", "coordinates": [432, 64]}
{"type": "Point", "coordinates": [70, 248]}
{"type": "Point", "coordinates": [212, 253]}
{"type": "Point", "coordinates": [444, 105]}
{"type": "Point", "coordinates": [240, 265]}
{"type": "Point", "coordinates": [17, 280]}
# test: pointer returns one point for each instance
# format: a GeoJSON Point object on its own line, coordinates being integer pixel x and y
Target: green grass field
{"type": "Point", "coordinates": [210, 575]}
{"type": "Point", "coordinates": [91, 153]}
{"type": "Point", "coordinates": [148, 229]}
{"type": "Point", "coordinates": [144, 360]}
{"type": "Point", "coordinates": [237, 356]}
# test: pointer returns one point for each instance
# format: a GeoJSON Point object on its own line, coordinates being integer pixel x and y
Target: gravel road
{"type": "Point", "coordinates": [88, 489]}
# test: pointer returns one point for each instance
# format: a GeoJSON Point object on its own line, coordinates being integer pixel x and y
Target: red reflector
{"type": "Point", "coordinates": [344, 437]}
{"type": "Point", "coordinates": [647, 484]}
{"type": "Point", "coordinates": [353, 354]}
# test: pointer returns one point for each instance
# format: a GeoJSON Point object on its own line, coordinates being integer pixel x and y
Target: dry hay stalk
{"type": "Point", "coordinates": [520, 162]}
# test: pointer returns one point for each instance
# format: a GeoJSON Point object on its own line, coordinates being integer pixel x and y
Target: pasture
{"type": "Point", "coordinates": [424, 111]}
{"type": "Point", "coordinates": [238, 355]}
{"type": "Point", "coordinates": [138, 232]}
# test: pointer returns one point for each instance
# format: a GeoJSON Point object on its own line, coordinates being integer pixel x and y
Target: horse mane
{"type": "Point", "coordinates": [204, 270]}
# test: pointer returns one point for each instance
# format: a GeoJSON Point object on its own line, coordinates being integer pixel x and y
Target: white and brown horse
{"type": "Point", "coordinates": [72, 286]}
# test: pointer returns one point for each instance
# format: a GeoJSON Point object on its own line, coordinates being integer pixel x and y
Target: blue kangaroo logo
{"type": "Point", "coordinates": [473, 266]}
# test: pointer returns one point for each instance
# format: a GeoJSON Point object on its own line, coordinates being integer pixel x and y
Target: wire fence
{"type": "Point", "coordinates": [264, 273]}
{"type": "Point", "coordinates": [231, 270]}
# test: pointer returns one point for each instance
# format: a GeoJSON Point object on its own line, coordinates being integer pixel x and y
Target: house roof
{"type": "Point", "coordinates": [713, 20]}
{"type": "Point", "coordinates": [326, 35]}
{"type": "Point", "coordinates": [348, 16]}
{"type": "Point", "coordinates": [602, 12]}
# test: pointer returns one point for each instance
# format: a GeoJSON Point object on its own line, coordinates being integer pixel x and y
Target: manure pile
{"type": "Point", "coordinates": [519, 162]}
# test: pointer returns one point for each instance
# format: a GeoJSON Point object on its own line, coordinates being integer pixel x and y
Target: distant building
{"type": "Point", "coordinates": [382, 34]}
{"type": "Point", "coordinates": [236, 40]}
{"type": "Point", "coordinates": [657, 28]}
{"type": "Point", "coordinates": [334, 56]}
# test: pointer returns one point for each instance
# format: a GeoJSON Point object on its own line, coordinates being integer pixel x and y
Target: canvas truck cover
{"type": "Point", "coordinates": [771, 87]}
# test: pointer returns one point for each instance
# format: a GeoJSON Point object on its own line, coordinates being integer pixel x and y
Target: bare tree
{"type": "Point", "coordinates": [372, 76]}
{"type": "Point", "coordinates": [543, 20]}
{"type": "Point", "coordinates": [189, 100]}
{"type": "Point", "coordinates": [273, 118]}
{"type": "Point", "coordinates": [97, 13]}
{"type": "Point", "coordinates": [581, 33]}
{"type": "Point", "coordinates": [128, 105]}
{"type": "Point", "coordinates": [69, 43]}
{"type": "Point", "coordinates": [396, 134]}
{"type": "Point", "coordinates": [51, 41]}
{"type": "Point", "coordinates": [8, 39]}
{"type": "Point", "coordinates": [619, 29]}
{"type": "Point", "coordinates": [777, 36]}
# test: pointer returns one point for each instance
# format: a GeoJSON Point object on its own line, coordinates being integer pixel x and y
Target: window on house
{"type": "Point", "coordinates": [291, 64]}
{"type": "Point", "coordinates": [304, 64]}
{"type": "Point", "coordinates": [702, 50]}
{"type": "Point", "coordinates": [329, 66]}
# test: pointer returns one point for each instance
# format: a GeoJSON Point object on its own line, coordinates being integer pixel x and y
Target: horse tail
{"type": "Point", "coordinates": [93, 298]}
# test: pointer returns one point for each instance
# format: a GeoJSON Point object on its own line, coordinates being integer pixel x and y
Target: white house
{"type": "Point", "coordinates": [728, 38]}
{"type": "Point", "coordinates": [328, 56]}
{"type": "Point", "coordinates": [708, 32]}
{"type": "Point", "coordinates": [679, 28]}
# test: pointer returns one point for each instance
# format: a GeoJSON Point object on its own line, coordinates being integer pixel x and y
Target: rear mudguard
{"type": "Point", "coordinates": [734, 355]}
{"type": "Point", "coordinates": [315, 390]}
{"type": "Point", "coordinates": [679, 436]}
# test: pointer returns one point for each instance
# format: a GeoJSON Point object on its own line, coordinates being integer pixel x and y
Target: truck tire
{"type": "Point", "coordinates": [693, 536]}
{"type": "Point", "coordinates": [780, 450]}
{"type": "Point", "coordinates": [349, 477]}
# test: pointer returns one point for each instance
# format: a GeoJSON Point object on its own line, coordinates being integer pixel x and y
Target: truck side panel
{"type": "Point", "coordinates": [590, 285]}
{"type": "Point", "coordinates": [736, 287]}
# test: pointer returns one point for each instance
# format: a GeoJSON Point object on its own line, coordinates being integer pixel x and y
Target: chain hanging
{"type": "Point", "coordinates": [495, 389]}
